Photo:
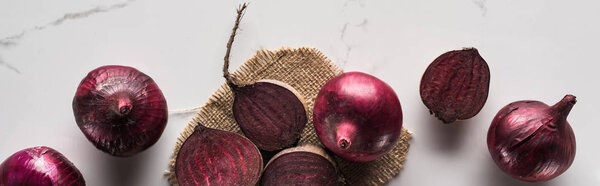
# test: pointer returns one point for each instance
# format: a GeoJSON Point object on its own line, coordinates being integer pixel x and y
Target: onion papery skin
{"type": "Point", "coordinates": [357, 116]}
{"type": "Point", "coordinates": [42, 166]}
{"type": "Point", "coordinates": [304, 165]}
{"type": "Point", "coordinates": [120, 110]}
{"type": "Point", "coordinates": [270, 113]}
{"type": "Point", "coordinates": [455, 85]}
{"type": "Point", "coordinates": [532, 141]}
{"type": "Point", "coordinates": [215, 157]}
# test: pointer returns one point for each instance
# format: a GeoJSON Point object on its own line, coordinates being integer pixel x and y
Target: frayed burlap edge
{"type": "Point", "coordinates": [306, 70]}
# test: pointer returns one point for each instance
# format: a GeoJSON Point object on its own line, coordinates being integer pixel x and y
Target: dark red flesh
{"type": "Point", "coordinates": [532, 141]}
{"type": "Point", "coordinates": [41, 166]}
{"type": "Point", "coordinates": [120, 110]}
{"type": "Point", "coordinates": [357, 116]}
{"type": "Point", "coordinates": [300, 168]}
{"type": "Point", "coordinates": [455, 85]}
{"type": "Point", "coordinates": [270, 115]}
{"type": "Point", "coordinates": [216, 157]}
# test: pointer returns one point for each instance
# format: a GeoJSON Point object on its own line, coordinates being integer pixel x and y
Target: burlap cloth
{"type": "Point", "coordinates": [307, 70]}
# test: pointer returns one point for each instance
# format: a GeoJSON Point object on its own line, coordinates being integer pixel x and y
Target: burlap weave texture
{"type": "Point", "coordinates": [307, 70]}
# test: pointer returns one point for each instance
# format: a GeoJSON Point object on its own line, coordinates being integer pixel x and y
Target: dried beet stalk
{"type": "Point", "coordinates": [269, 112]}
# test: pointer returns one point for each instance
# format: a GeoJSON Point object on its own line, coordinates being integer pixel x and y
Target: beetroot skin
{"type": "Point", "coordinates": [455, 85]}
{"type": "Point", "coordinates": [269, 112]}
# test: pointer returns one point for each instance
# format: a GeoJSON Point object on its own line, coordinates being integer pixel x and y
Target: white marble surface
{"type": "Point", "coordinates": [536, 50]}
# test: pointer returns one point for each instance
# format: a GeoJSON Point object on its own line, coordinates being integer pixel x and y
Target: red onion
{"type": "Point", "coordinates": [269, 112]}
{"type": "Point", "coordinates": [455, 85]}
{"type": "Point", "coordinates": [358, 116]}
{"type": "Point", "coordinates": [120, 110]}
{"type": "Point", "coordinates": [215, 157]}
{"type": "Point", "coordinates": [532, 141]}
{"type": "Point", "coordinates": [303, 165]}
{"type": "Point", "coordinates": [41, 166]}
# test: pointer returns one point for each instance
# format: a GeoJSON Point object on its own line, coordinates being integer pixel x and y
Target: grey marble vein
{"type": "Point", "coordinates": [83, 14]}
{"type": "Point", "coordinates": [348, 47]}
{"type": "Point", "coordinates": [482, 4]}
{"type": "Point", "coordinates": [9, 66]}
{"type": "Point", "coordinates": [11, 41]}
{"type": "Point", "coordinates": [363, 24]}
{"type": "Point", "coordinates": [359, 2]}
{"type": "Point", "coordinates": [343, 31]}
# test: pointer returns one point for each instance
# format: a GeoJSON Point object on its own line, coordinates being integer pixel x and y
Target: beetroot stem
{"type": "Point", "coordinates": [226, 74]}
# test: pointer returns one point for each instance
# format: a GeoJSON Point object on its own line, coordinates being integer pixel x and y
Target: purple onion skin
{"type": "Point", "coordinates": [455, 85]}
{"type": "Point", "coordinates": [357, 116]}
{"type": "Point", "coordinates": [216, 157]}
{"type": "Point", "coordinates": [120, 110]}
{"type": "Point", "coordinates": [300, 168]}
{"type": "Point", "coordinates": [532, 141]}
{"type": "Point", "coordinates": [42, 166]}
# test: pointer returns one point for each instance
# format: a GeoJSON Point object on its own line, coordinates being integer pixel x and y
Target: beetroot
{"type": "Point", "coordinates": [532, 141]}
{"type": "Point", "coordinates": [455, 85]}
{"type": "Point", "coordinates": [269, 112]}
{"type": "Point", "coordinates": [216, 157]}
{"type": "Point", "coordinates": [304, 165]}
{"type": "Point", "coordinates": [358, 116]}
{"type": "Point", "coordinates": [270, 115]}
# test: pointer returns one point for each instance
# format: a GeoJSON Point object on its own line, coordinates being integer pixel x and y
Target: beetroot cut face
{"type": "Point", "coordinates": [303, 165]}
{"type": "Point", "coordinates": [216, 157]}
{"type": "Point", "coordinates": [271, 113]}
{"type": "Point", "coordinates": [532, 141]}
{"type": "Point", "coordinates": [357, 116]}
{"type": "Point", "coordinates": [42, 166]}
{"type": "Point", "coordinates": [455, 85]}
{"type": "Point", "coordinates": [120, 110]}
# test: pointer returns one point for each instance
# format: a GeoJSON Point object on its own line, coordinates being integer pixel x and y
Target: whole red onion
{"type": "Point", "coordinates": [120, 110]}
{"type": "Point", "coordinates": [358, 116]}
{"type": "Point", "coordinates": [532, 141]}
{"type": "Point", "coordinates": [42, 166]}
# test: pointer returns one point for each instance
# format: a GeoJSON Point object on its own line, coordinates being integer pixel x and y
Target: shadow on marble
{"type": "Point", "coordinates": [448, 138]}
{"type": "Point", "coordinates": [124, 170]}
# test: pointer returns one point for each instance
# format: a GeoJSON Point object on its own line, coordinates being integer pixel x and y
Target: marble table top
{"type": "Point", "coordinates": [536, 49]}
